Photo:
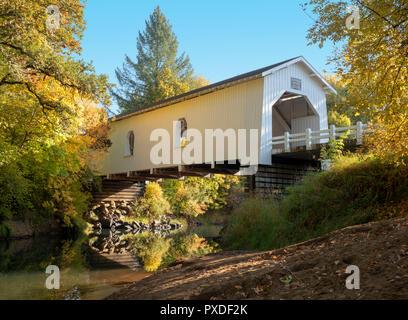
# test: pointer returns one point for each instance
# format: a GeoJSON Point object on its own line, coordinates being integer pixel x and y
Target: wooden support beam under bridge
{"type": "Point", "coordinates": [177, 172]}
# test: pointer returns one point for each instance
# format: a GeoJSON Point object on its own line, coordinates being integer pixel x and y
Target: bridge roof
{"type": "Point", "coordinates": [210, 88]}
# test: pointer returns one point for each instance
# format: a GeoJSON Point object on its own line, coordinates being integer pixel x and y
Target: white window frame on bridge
{"type": "Point", "coordinates": [129, 151]}
{"type": "Point", "coordinates": [180, 135]}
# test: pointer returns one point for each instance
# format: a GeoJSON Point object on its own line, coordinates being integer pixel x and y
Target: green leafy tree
{"type": "Point", "coordinates": [372, 63]}
{"type": "Point", "coordinates": [195, 195]}
{"type": "Point", "coordinates": [159, 71]}
{"type": "Point", "coordinates": [49, 125]}
{"type": "Point", "coordinates": [153, 204]}
{"type": "Point", "coordinates": [340, 110]}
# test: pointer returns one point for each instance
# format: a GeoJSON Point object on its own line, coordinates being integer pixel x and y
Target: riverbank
{"type": "Point", "coordinates": [315, 269]}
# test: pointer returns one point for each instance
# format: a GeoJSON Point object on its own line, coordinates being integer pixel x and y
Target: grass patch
{"type": "Point", "coordinates": [257, 225]}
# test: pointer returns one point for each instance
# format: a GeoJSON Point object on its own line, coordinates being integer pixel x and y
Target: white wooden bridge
{"type": "Point", "coordinates": [285, 102]}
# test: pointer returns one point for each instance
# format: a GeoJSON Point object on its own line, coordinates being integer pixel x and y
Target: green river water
{"type": "Point", "coordinates": [89, 269]}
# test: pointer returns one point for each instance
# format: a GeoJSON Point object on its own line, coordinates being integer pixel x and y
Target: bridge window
{"type": "Point", "coordinates": [130, 143]}
{"type": "Point", "coordinates": [183, 127]}
{"type": "Point", "coordinates": [181, 133]}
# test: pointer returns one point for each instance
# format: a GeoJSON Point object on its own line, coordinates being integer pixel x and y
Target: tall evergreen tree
{"type": "Point", "coordinates": [159, 72]}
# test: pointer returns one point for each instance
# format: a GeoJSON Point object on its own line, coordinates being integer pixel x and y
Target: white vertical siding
{"type": "Point", "coordinates": [275, 84]}
{"type": "Point", "coordinates": [300, 124]}
{"type": "Point", "coordinates": [237, 107]}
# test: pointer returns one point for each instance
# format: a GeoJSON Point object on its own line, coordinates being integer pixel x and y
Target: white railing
{"type": "Point", "coordinates": [309, 137]}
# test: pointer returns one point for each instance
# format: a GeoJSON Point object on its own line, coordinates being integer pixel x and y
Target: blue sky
{"type": "Point", "coordinates": [223, 38]}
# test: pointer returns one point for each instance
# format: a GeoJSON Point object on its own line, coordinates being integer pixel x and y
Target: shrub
{"type": "Point", "coordinates": [186, 198]}
{"type": "Point", "coordinates": [153, 204]}
{"type": "Point", "coordinates": [257, 225]}
{"type": "Point", "coordinates": [186, 202]}
{"type": "Point", "coordinates": [213, 192]}
{"type": "Point", "coordinates": [194, 196]}
{"type": "Point", "coordinates": [170, 187]}
{"type": "Point", "coordinates": [355, 190]}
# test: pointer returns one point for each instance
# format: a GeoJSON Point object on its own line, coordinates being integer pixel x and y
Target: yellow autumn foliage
{"type": "Point", "coordinates": [371, 61]}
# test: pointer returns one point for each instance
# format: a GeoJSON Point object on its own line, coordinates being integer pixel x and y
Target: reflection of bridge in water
{"type": "Point", "coordinates": [99, 260]}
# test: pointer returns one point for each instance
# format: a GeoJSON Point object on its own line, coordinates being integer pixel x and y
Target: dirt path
{"type": "Point", "coordinates": [313, 269]}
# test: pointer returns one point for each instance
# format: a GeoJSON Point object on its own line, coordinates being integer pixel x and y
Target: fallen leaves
{"type": "Point", "coordinates": [259, 290]}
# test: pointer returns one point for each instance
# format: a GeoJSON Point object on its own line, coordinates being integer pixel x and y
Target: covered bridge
{"type": "Point", "coordinates": [277, 104]}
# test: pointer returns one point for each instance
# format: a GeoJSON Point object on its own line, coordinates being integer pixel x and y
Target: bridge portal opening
{"type": "Point", "coordinates": [292, 113]}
